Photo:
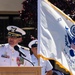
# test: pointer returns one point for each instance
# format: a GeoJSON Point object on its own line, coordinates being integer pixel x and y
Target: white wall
{"type": "Point", "coordinates": [10, 5]}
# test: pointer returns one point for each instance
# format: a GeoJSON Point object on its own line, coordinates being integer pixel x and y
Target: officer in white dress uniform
{"type": "Point", "coordinates": [46, 65]}
{"type": "Point", "coordinates": [11, 53]}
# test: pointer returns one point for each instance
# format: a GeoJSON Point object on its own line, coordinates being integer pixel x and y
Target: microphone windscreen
{"type": "Point", "coordinates": [16, 48]}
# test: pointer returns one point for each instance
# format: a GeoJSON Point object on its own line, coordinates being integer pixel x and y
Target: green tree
{"type": "Point", "coordinates": [29, 12]}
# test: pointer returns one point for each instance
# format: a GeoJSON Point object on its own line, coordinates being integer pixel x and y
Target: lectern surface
{"type": "Point", "coordinates": [20, 70]}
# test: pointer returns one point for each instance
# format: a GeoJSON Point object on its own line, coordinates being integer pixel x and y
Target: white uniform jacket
{"type": "Point", "coordinates": [10, 57]}
{"type": "Point", "coordinates": [46, 65]}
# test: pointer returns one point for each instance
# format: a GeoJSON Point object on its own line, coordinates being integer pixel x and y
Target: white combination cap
{"type": "Point", "coordinates": [15, 31]}
{"type": "Point", "coordinates": [33, 43]}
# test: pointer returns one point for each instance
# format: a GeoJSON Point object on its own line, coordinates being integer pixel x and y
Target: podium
{"type": "Point", "coordinates": [20, 70]}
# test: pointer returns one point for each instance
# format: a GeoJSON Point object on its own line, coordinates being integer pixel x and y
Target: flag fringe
{"type": "Point", "coordinates": [56, 62]}
{"type": "Point", "coordinates": [61, 12]}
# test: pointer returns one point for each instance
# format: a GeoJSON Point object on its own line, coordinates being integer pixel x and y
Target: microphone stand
{"type": "Point", "coordinates": [20, 54]}
{"type": "Point", "coordinates": [26, 59]}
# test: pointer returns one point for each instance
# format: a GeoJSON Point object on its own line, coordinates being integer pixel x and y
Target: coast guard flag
{"type": "Point", "coordinates": [56, 35]}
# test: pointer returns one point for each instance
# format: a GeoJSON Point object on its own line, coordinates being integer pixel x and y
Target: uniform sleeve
{"type": "Point", "coordinates": [48, 66]}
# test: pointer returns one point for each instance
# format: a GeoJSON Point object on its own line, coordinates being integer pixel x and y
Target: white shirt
{"type": "Point", "coordinates": [10, 57]}
{"type": "Point", "coordinates": [46, 65]}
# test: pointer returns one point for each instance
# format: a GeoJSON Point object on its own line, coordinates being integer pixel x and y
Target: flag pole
{"type": "Point", "coordinates": [38, 26]}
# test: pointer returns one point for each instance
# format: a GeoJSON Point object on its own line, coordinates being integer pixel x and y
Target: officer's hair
{"type": "Point", "coordinates": [31, 52]}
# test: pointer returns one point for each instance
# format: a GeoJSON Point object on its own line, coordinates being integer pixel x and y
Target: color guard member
{"type": "Point", "coordinates": [45, 64]}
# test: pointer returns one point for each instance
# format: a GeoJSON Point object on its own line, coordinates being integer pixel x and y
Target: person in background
{"type": "Point", "coordinates": [45, 64]}
{"type": "Point", "coordinates": [11, 53]}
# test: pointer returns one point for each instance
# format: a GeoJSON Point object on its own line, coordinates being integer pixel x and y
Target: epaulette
{"type": "Point", "coordinates": [25, 48]}
{"type": "Point", "coordinates": [2, 45]}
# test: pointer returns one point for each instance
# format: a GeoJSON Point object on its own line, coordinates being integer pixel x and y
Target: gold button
{"type": "Point", "coordinates": [12, 51]}
{"type": "Point", "coordinates": [12, 59]}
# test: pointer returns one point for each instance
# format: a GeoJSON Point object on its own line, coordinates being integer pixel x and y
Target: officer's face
{"type": "Point", "coordinates": [13, 41]}
{"type": "Point", "coordinates": [34, 50]}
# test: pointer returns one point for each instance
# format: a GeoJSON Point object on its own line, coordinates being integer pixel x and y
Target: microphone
{"type": "Point", "coordinates": [21, 53]}
{"type": "Point", "coordinates": [17, 49]}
